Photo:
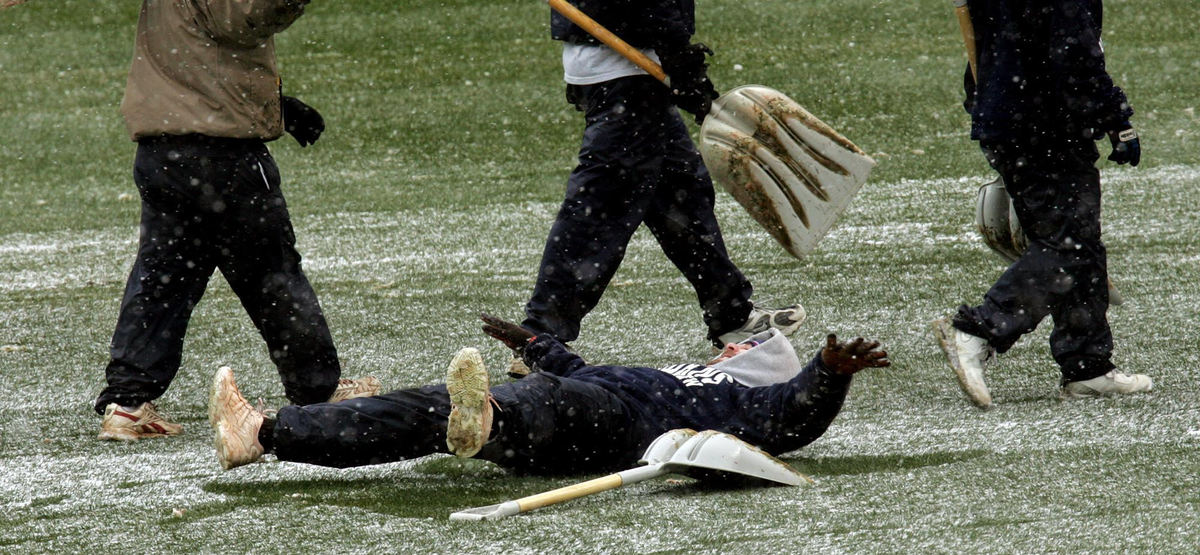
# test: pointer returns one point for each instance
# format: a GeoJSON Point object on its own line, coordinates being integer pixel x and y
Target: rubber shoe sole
{"type": "Point", "coordinates": [470, 421]}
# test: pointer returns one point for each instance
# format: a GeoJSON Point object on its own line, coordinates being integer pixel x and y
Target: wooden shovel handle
{"type": "Point", "coordinates": [572, 491]}
{"type": "Point", "coordinates": [968, 33]}
{"type": "Point", "coordinates": [605, 36]}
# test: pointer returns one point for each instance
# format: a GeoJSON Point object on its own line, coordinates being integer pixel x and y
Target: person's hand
{"type": "Point", "coordinates": [510, 334]}
{"type": "Point", "coordinates": [302, 121]}
{"type": "Point", "coordinates": [847, 358]}
{"type": "Point", "coordinates": [691, 89]}
{"type": "Point", "coordinates": [1126, 149]}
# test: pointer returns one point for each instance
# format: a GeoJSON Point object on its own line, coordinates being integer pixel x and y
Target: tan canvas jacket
{"type": "Point", "coordinates": [207, 67]}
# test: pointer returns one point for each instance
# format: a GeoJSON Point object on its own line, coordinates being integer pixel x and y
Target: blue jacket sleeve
{"type": "Point", "coordinates": [551, 356]}
{"type": "Point", "coordinates": [786, 416]}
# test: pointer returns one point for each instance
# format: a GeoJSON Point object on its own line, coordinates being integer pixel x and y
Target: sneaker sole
{"type": "Point", "coordinates": [124, 435]}
{"type": "Point", "coordinates": [467, 384]}
{"type": "Point", "coordinates": [941, 330]}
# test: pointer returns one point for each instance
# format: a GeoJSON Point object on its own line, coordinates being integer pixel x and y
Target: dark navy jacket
{"type": "Point", "coordinates": [641, 23]}
{"type": "Point", "coordinates": [777, 418]}
{"type": "Point", "coordinates": [1041, 71]}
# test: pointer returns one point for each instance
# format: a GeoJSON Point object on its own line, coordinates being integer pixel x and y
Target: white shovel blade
{"type": "Point", "coordinates": [716, 451]}
{"type": "Point", "coordinates": [794, 174]}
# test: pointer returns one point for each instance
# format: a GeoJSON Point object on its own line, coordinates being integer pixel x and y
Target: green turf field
{"type": "Point", "coordinates": [427, 200]}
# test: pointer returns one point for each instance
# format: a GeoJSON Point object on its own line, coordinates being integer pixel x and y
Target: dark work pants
{"type": "Point", "coordinates": [546, 424]}
{"type": "Point", "coordinates": [1055, 188]}
{"type": "Point", "coordinates": [637, 165]}
{"type": "Point", "coordinates": [214, 204]}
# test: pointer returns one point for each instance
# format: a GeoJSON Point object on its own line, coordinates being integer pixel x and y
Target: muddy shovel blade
{"type": "Point", "coordinates": [712, 455]}
{"type": "Point", "coordinates": [792, 173]}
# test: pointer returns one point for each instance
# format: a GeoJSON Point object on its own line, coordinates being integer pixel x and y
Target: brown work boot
{"type": "Point", "coordinates": [234, 421]}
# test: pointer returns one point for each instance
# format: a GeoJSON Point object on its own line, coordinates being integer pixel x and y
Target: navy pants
{"type": "Point", "coordinates": [544, 424]}
{"type": "Point", "coordinates": [212, 204]}
{"type": "Point", "coordinates": [637, 165]}
{"type": "Point", "coordinates": [1055, 188]}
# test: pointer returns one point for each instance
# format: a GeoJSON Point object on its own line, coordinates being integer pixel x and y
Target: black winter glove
{"type": "Point", "coordinates": [302, 121]}
{"type": "Point", "coordinates": [691, 89]}
{"type": "Point", "coordinates": [1126, 149]}
{"type": "Point", "coordinates": [513, 336]}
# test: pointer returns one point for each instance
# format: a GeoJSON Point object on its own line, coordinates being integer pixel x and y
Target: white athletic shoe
{"type": "Point", "coordinates": [470, 421]}
{"type": "Point", "coordinates": [787, 320]}
{"type": "Point", "coordinates": [234, 421]}
{"type": "Point", "coordinates": [966, 354]}
{"type": "Point", "coordinates": [124, 424]}
{"type": "Point", "coordinates": [1112, 383]}
{"type": "Point", "coordinates": [353, 389]}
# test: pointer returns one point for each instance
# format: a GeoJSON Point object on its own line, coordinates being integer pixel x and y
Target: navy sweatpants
{"type": "Point", "coordinates": [637, 165]}
{"type": "Point", "coordinates": [1055, 188]}
{"type": "Point", "coordinates": [208, 204]}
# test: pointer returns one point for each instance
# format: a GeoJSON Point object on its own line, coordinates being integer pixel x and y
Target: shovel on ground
{"type": "Point", "coordinates": [707, 455]}
{"type": "Point", "coordinates": [794, 174]}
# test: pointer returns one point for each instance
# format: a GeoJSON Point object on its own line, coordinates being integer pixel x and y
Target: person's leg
{"type": "Point", "coordinates": [544, 424]}
{"type": "Point", "coordinates": [168, 277]}
{"type": "Point", "coordinates": [395, 426]}
{"type": "Point", "coordinates": [262, 266]}
{"type": "Point", "coordinates": [682, 220]}
{"type": "Point", "coordinates": [620, 161]}
{"type": "Point", "coordinates": [1056, 196]}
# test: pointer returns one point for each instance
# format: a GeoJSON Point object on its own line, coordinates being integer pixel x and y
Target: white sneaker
{"type": "Point", "coordinates": [124, 424]}
{"type": "Point", "coordinates": [1112, 383]}
{"type": "Point", "coordinates": [787, 320]}
{"type": "Point", "coordinates": [966, 354]}
{"type": "Point", "coordinates": [234, 421]}
{"type": "Point", "coordinates": [353, 389]}
{"type": "Point", "coordinates": [470, 421]}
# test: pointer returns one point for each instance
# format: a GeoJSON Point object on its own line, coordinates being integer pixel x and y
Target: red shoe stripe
{"type": "Point", "coordinates": [125, 415]}
{"type": "Point", "coordinates": [156, 427]}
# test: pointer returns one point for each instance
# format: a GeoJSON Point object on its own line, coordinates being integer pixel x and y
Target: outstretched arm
{"type": "Point", "coordinates": [790, 415]}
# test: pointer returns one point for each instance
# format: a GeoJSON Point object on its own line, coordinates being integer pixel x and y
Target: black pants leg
{"type": "Point", "coordinates": [1055, 188]}
{"type": "Point", "coordinates": [209, 203]}
{"type": "Point", "coordinates": [544, 424]}
{"type": "Point", "coordinates": [636, 164]}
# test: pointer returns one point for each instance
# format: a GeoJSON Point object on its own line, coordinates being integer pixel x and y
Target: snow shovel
{"type": "Point", "coordinates": [704, 455]}
{"type": "Point", "coordinates": [794, 174]}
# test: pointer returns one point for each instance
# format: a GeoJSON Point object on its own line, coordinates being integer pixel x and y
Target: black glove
{"type": "Point", "coordinates": [691, 89]}
{"type": "Point", "coordinates": [510, 334]}
{"type": "Point", "coordinates": [301, 120]}
{"type": "Point", "coordinates": [1125, 146]}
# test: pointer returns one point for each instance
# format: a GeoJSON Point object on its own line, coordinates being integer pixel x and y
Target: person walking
{"type": "Point", "coordinates": [202, 99]}
{"type": "Point", "coordinates": [637, 164]}
{"type": "Point", "coordinates": [1041, 99]}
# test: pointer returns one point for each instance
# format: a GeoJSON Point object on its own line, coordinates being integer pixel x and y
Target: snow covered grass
{"type": "Point", "coordinates": [427, 202]}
